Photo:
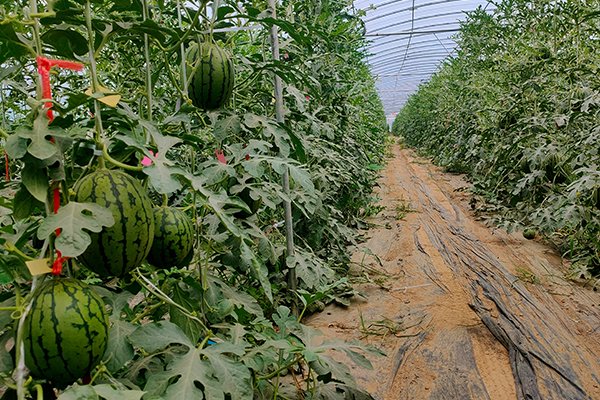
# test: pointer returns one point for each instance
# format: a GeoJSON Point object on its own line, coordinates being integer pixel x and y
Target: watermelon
{"type": "Point", "coordinates": [118, 249]}
{"type": "Point", "coordinates": [173, 238]}
{"type": "Point", "coordinates": [65, 331]}
{"type": "Point", "coordinates": [212, 82]}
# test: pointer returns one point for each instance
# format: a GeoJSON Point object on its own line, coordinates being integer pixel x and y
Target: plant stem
{"type": "Point", "coordinates": [147, 311]}
{"type": "Point", "coordinates": [11, 248]}
{"type": "Point", "coordinates": [99, 134]}
{"type": "Point", "coordinates": [276, 372]}
{"type": "Point", "coordinates": [119, 164]}
{"type": "Point", "coordinates": [150, 287]}
{"type": "Point", "coordinates": [145, 13]}
{"type": "Point", "coordinates": [40, 391]}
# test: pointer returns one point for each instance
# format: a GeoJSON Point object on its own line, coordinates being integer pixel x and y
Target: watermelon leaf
{"type": "Point", "coordinates": [40, 147]}
{"type": "Point", "coordinates": [192, 328]}
{"type": "Point", "coordinates": [190, 368]}
{"type": "Point", "coordinates": [119, 350]}
{"type": "Point", "coordinates": [270, 129]}
{"type": "Point", "coordinates": [35, 181]}
{"type": "Point", "coordinates": [108, 392]}
{"type": "Point", "coordinates": [6, 362]}
{"type": "Point", "coordinates": [225, 125]}
{"type": "Point", "coordinates": [96, 392]}
{"type": "Point", "coordinates": [80, 393]}
{"type": "Point", "coordinates": [153, 337]}
{"type": "Point", "coordinates": [72, 219]}
{"type": "Point", "coordinates": [234, 377]}
{"type": "Point", "coordinates": [14, 267]}
{"type": "Point", "coordinates": [6, 315]}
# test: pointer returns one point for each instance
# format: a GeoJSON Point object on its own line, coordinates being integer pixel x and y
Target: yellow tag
{"type": "Point", "coordinates": [39, 267]}
{"type": "Point", "coordinates": [110, 100]}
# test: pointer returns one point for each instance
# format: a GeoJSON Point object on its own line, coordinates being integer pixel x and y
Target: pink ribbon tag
{"type": "Point", "coordinates": [221, 156]}
{"type": "Point", "coordinates": [147, 161]}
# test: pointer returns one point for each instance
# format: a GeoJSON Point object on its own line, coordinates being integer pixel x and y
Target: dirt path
{"type": "Point", "coordinates": [481, 314]}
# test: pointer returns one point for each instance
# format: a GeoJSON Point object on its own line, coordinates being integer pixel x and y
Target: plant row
{"type": "Point", "coordinates": [144, 163]}
{"type": "Point", "coordinates": [517, 109]}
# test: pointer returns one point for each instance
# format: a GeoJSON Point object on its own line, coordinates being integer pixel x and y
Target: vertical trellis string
{"type": "Point", "coordinates": [44, 66]}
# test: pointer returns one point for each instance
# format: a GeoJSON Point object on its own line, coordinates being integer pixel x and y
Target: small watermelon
{"type": "Point", "coordinates": [65, 331]}
{"type": "Point", "coordinates": [173, 238]}
{"type": "Point", "coordinates": [529, 233]}
{"type": "Point", "coordinates": [212, 82]}
{"type": "Point", "coordinates": [122, 247]}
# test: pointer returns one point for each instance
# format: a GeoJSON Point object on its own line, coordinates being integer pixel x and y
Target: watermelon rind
{"type": "Point", "coordinates": [173, 238]}
{"type": "Point", "coordinates": [212, 83]}
{"type": "Point", "coordinates": [117, 249]}
{"type": "Point", "coordinates": [65, 331]}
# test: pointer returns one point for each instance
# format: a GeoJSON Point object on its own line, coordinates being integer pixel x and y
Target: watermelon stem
{"type": "Point", "coordinates": [147, 311]}
{"type": "Point", "coordinates": [151, 288]}
{"type": "Point", "coordinates": [119, 164]}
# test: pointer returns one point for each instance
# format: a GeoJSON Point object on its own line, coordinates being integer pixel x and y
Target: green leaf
{"type": "Point", "coordinates": [104, 391]}
{"type": "Point", "coordinates": [36, 182]}
{"type": "Point", "coordinates": [16, 146]}
{"type": "Point", "coordinates": [162, 170]}
{"type": "Point", "coordinates": [259, 268]}
{"type": "Point", "coordinates": [13, 43]}
{"type": "Point", "coordinates": [14, 267]}
{"type": "Point", "coordinates": [270, 129]}
{"type": "Point", "coordinates": [190, 327]}
{"type": "Point", "coordinates": [79, 393]}
{"type": "Point", "coordinates": [190, 368]}
{"type": "Point", "coordinates": [6, 315]}
{"type": "Point", "coordinates": [157, 336]}
{"type": "Point", "coordinates": [6, 361]}
{"type": "Point", "coordinates": [223, 127]}
{"type": "Point", "coordinates": [119, 350]}
{"type": "Point", "coordinates": [72, 219]}
{"type": "Point", "coordinates": [234, 377]}
{"type": "Point", "coordinates": [40, 146]}
{"type": "Point", "coordinates": [24, 204]}
{"type": "Point", "coordinates": [238, 298]}
{"type": "Point", "coordinates": [110, 393]}
{"type": "Point", "coordinates": [67, 41]}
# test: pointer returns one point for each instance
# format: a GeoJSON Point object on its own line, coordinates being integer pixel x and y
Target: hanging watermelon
{"type": "Point", "coordinates": [212, 82]}
{"type": "Point", "coordinates": [65, 331]}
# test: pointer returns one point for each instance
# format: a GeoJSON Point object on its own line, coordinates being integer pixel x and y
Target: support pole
{"type": "Point", "coordinates": [289, 229]}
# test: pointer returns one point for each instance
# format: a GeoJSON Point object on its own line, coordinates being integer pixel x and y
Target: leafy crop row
{"type": "Point", "coordinates": [222, 327]}
{"type": "Point", "coordinates": [517, 108]}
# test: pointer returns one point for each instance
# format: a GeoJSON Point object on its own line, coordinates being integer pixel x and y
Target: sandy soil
{"type": "Point", "coordinates": [463, 311]}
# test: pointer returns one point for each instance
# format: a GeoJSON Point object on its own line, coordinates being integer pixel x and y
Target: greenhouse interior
{"type": "Point", "coordinates": [299, 200]}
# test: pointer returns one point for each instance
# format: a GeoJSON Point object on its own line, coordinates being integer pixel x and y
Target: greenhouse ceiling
{"type": "Point", "coordinates": [409, 40]}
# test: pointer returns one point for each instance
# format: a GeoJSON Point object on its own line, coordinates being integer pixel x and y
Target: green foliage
{"type": "Point", "coordinates": [236, 276]}
{"type": "Point", "coordinates": [516, 109]}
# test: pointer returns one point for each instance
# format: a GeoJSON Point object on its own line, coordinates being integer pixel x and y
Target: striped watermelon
{"type": "Point", "coordinates": [212, 82]}
{"type": "Point", "coordinates": [173, 238]}
{"type": "Point", "coordinates": [65, 331]}
{"type": "Point", "coordinates": [122, 247]}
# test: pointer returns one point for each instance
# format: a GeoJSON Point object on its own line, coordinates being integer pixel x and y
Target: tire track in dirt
{"type": "Point", "coordinates": [478, 330]}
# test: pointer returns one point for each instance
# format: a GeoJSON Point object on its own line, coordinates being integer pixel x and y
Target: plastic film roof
{"type": "Point", "coordinates": [410, 38]}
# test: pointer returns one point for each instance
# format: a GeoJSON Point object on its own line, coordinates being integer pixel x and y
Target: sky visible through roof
{"type": "Point", "coordinates": [410, 38]}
